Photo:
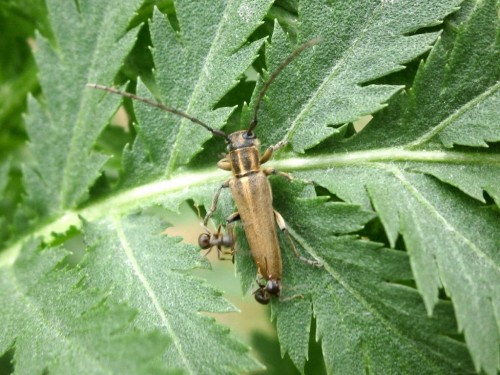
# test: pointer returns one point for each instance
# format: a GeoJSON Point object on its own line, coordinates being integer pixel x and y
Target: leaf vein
{"type": "Point", "coordinates": [37, 314]}
{"type": "Point", "coordinates": [453, 116]}
{"type": "Point", "coordinates": [450, 228]}
{"type": "Point", "coordinates": [129, 253]}
{"type": "Point", "coordinates": [384, 321]}
{"type": "Point", "coordinates": [334, 72]}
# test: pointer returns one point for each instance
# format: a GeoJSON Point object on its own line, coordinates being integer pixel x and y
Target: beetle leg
{"type": "Point", "coordinates": [233, 217]}
{"type": "Point", "coordinates": [213, 207]}
{"type": "Point", "coordinates": [230, 233]}
{"type": "Point", "coordinates": [269, 171]}
{"type": "Point", "coordinates": [269, 152]}
{"type": "Point", "coordinates": [224, 164]}
{"type": "Point", "coordinates": [281, 224]}
{"type": "Point", "coordinates": [228, 240]}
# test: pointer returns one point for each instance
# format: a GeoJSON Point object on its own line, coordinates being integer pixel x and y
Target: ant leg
{"type": "Point", "coordinates": [218, 238]}
{"type": "Point", "coordinates": [269, 152]}
{"type": "Point", "coordinates": [232, 238]}
{"type": "Point", "coordinates": [269, 171]}
{"type": "Point", "coordinates": [281, 224]}
{"type": "Point", "coordinates": [213, 207]}
{"type": "Point", "coordinates": [221, 253]}
{"type": "Point", "coordinates": [229, 238]}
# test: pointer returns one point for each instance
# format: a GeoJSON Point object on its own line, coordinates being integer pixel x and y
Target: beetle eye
{"type": "Point", "coordinates": [249, 135]}
{"type": "Point", "coordinates": [273, 287]}
{"type": "Point", "coordinates": [204, 241]}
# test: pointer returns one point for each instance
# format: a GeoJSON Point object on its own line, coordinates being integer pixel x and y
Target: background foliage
{"type": "Point", "coordinates": [403, 214]}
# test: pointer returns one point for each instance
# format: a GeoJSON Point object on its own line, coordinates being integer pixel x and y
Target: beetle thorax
{"type": "Point", "coordinates": [243, 153]}
{"type": "Point", "coordinates": [244, 161]}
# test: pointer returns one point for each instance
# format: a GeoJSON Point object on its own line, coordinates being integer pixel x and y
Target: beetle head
{"type": "Point", "coordinates": [264, 292]}
{"type": "Point", "coordinates": [241, 139]}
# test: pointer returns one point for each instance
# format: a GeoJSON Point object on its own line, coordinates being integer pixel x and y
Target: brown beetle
{"type": "Point", "coordinates": [250, 189]}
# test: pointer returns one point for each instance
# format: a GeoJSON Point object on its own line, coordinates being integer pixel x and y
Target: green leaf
{"type": "Point", "coordinates": [213, 41]}
{"type": "Point", "coordinates": [61, 326]}
{"type": "Point", "coordinates": [445, 237]}
{"type": "Point", "coordinates": [454, 99]}
{"type": "Point", "coordinates": [155, 282]}
{"type": "Point", "coordinates": [473, 180]}
{"type": "Point", "coordinates": [360, 41]}
{"type": "Point", "coordinates": [363, 313]}
{"type": "Point", "coordinates": [91, 43]}
{"type": "Point", "coordinates": [4, 176]}
{"type": "Point", "coordinates": [4, 179]}
{"type": "Point", "coordinates": [409, 180]}
{"type": "Point", "coordinates": [452, 242]}
{"type": "Point", "coordinates": [17, 70]}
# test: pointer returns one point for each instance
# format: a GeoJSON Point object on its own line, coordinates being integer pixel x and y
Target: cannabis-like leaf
{"type": "Point", "coordinates": [403, 215]}
{"type": "Point", "coordinates": [90, 45]}
{"type": "Point", "coordinates": [155, 282]}
{"type": "Point", "coordinates": [60, 325]}
{"type": "Point", "coordinates": [443, 229]}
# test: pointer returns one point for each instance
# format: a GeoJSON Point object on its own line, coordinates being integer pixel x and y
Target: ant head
{"type": "Point", "coordinates": [242, 139]}
{"type": "Point", "coordinates": [262, 296]}
{"type": "Point", "coordinates": [204, 241]}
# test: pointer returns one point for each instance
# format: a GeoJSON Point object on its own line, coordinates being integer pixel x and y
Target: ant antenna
{"type": "Point", "coordinates": [112, 90]}
{"type": "Point", "coordinates": [273, 76]}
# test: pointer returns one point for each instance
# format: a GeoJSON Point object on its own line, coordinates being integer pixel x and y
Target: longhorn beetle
{"type": "Point", "coordinates": [249, 187]}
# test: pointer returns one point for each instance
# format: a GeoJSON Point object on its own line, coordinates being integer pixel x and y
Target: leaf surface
{"type": "Point", "coordinates": [195, 67]}
{"type": "Point", "coordinates": [360, 41]}
{"type": "Point", "coordinates": [91, 42]}
{"type": "Point", "coordinates": [60, 325]}
{"type": "Point", "coordinates": [4, 179]}
{"type": "Point", "coordinates": [423, 169]}
{"type": "Point", "coordinates": [148, 270]}
{"type": "Point", "coordinates": [452, 242]}
{"type": "Point", "coordinates": [4, 176]}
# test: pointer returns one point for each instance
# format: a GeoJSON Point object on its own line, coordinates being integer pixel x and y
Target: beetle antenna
{"type": "Point", "coordinates": [275, 74]}
{"type": "Point", "coordinates": [112, 90]}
